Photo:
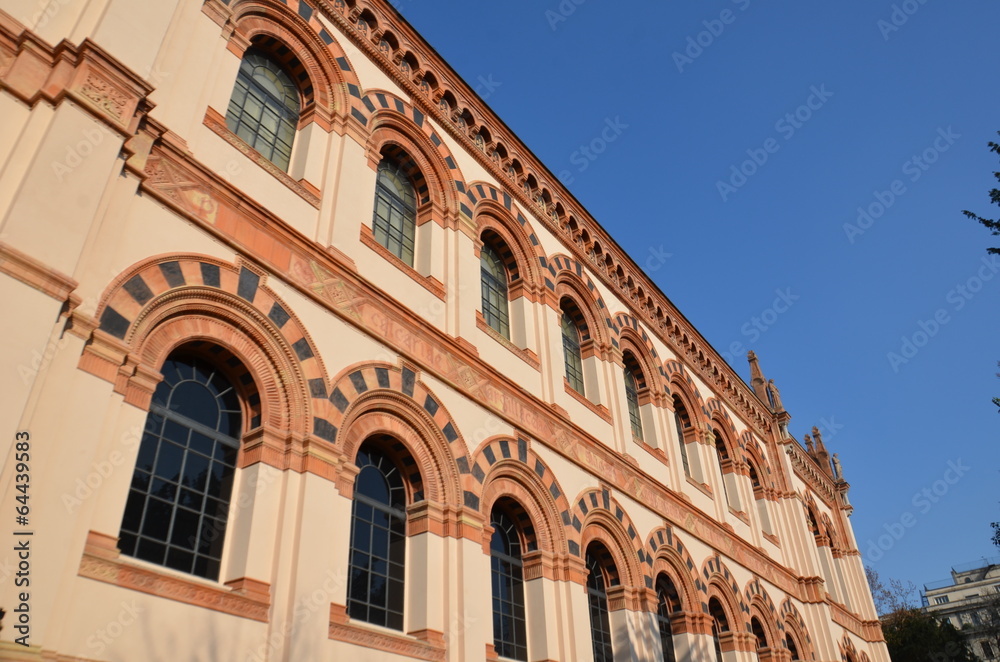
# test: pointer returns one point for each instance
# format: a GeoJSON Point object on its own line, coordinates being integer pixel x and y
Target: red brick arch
{"type": "Point", "coordinates": [331, 78]}
{"type": "Point", "coordinates": [379, 398]}
{"type": "Point", "coordinates": [721, 584]}
{"type": "Point", "coordinates": [795, 625]}
{"type": "Point", "coordinates": [664, 552]}
{"type": "Point", "coordinates": [597, 516]}
{"type": "Point", "coordinates": [391, 121]}
{"type": "Point", "coordinates": [761, 606]}
{"type": "Point", "coordinates": [169, 300]}
{"type": "Point", "coordinates": [507, 467]}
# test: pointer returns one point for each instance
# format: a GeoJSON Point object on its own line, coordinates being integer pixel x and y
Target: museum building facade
{"type": "Point", "coordinates": [308, 357]}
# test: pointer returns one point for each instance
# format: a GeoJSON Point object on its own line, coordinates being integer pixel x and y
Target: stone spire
{"type": "Point", "coordinates": [757, 382]}
{"type": "Point", "coordinates": [775, 396]}
{"type": "Point", "coordinates": [821, 455]}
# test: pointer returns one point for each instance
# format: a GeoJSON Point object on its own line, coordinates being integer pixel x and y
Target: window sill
{"type": "Point", "coordinates": [102, 561]}
{"type": "Point", "coordinates": [425, 645]}
{"type": "Point", "coordinates": [217, 123]}
{"type": "Point", "coordinates": [525, 355]}
{"type": "Point", "coordinates": [429, 283]}
{"type": "Point", "coordinates": [600, 410]}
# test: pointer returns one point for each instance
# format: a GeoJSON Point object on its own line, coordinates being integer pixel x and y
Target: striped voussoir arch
{"type": "Point", "coordinates": [595, 499]}
{"type": "Point", "coordinates": [661, 538]}
{"type": "Point", "coordinates": [309, 14]}
{"type": "Point", "coordinates": [714, 406]}
{"type": "Point", "coordinates": [502, 449]}
{"type": "Point", "coordinates": [756, 590]}
{"type": "Point", "coordinates": [672, 368]}
{"type": "Point", "coordinates": [367, 378]}
{"type": "Point", "coordinates": [790, 614]}
{"type": "Point", "coordinates": [560, 263]}
{"type": "Point", "coordinates": [715, 566]}
{"type": "Point", "coordinates": [376, 101]}
{"type": "Point", "coordinates": [126, 299]}
{"type": "Point", "coordinates": [479, 191]}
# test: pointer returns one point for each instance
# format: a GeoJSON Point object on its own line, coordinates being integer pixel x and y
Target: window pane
{"type": "Point", "coordinates": [188, 493]}
{"type": "Point", "coordinates": [264, 107]}
{"type": "Point", "coordinates": [377, 553]}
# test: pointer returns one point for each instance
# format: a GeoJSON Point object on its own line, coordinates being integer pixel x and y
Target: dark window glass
{"type": "Point", "coordinates": [680, 440]}
{"type": "Point", "coordinates": [571, 353]}
{"type": "Point", "coordinates": [600, 621]}
{"type": "Point", "coordinates": [264, 108]}
{"type": "Point", "coordinates": [509, 632]}
{"type": "Point", "coordinates": [178, 503]}
{"type": "Point", "coordinates": [378, 542]}
{"type": "Point", "coordinates": [719, 625]}
{"type": "Point", "coordinates": [632, 396]}
{"type": "Point", "coordinates": [723, 455]}
{"type": "Point", "coordinates": [395, 221]}
{"type": "Point", "coordinates": [792, 648]}
{"type": "Point", "coordinates": [667, 603]}
{"type": "Point", "coordinates": [494, 283]}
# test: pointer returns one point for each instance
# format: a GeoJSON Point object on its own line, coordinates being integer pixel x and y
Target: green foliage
{"type": "Point", "coordinates": [992, 225]}
{"type": "Point", "coordinates": [911, 634]}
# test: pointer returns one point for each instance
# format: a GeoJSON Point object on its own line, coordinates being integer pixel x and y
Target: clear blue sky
{"type": "Point", "coordinates": [880, 96]}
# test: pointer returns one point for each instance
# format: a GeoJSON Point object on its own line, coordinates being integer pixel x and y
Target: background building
{"type": "Point", "coordinates": [307, 357]}
{"type": "Point", "coordinates": [970, 601]}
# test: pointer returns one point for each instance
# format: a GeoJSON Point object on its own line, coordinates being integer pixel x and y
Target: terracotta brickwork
{"type": "Point", "coordinates": [334, 347]}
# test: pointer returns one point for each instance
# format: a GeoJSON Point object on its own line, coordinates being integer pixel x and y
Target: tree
{"type": "Point", "coordinates": [911, 633]}
{"type": "Point", "coordinates": [992, 225]}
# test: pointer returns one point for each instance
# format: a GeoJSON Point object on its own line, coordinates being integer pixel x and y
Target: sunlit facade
{"type": "Point", "coordinates": [308, 357]}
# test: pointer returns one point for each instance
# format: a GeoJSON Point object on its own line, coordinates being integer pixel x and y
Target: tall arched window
{"type": "Point", "coordinates": [667, 602]}
{"type": "Point", "coordinates": [494, 286]}
{"type": "Point", "coordinates": [723, 455]}
{"type": "Point", "coordinates": [395, 222]}
{"type": "Point", "coordinates": [178, 504]}
{"type": "Point", "coordinates": [792, 648]}
{"type": "Point", "coordinates": [758, 632]}
{"type": "Point", "coordinates": [633, 376]}
{"type": "Point", "coordinates": [597, 597]}
{"type": "Point", "coordinates": [264, 107]}
{"type": "Point", "coordinates": [682, 421]}
{"type": "Point", "coordinates": [720, 624]}
{"type": "Point", "coordinates": [509, 632]}
{"type": "Point", "coordinates": [572, 355]}
{"type": "Point", "coordinates": [378, 542]}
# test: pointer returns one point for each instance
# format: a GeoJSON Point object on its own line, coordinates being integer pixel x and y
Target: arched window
{"type": "Point", "coordinates": [494, 285]}
{"type": "Point", "coordinates": [792, 648]}
{"type": "Point", "coordinates": [597, 596]}
{"type": "Point", "coordinates": [723, 455]}
{"type": "Point", "coordinates": [758, 632]}
{"type": "Point", "coordinates": [668, 602]}
{"type": "Point", "coordinates": [633, 376]}
{"type": "Point", "coordinates": [264, 107]}
{"type": "Point", "coordinates": [178, 504]}
{"type": "Point", "coordinates": [720, 624]}
{"type": "Point", "coordinates": [395, 222]}
{"type": "Point", "coordinates": [509, 632]}
{"type": "Point", "coordinates": [572, 356]}
{"type": "Point", "coordinates": [378, 542]}
{"type": "Point", "coordinates": [681, 420]}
